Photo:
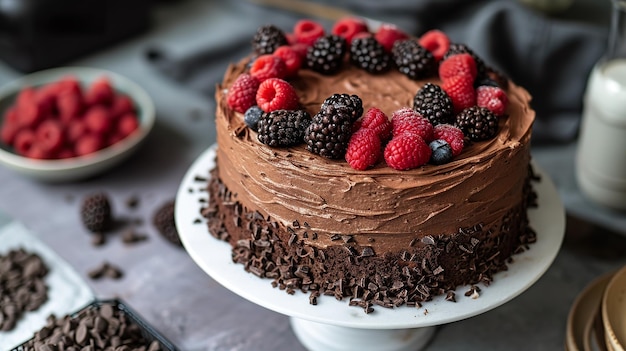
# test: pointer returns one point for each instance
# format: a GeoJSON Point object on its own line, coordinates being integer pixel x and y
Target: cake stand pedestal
{"type": "Point", "coordinates": [332, 325]}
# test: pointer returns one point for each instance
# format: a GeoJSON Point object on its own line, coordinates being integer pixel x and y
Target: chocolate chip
{"type": "Point", "coordinates": [97, 327]}
{"type": "Point", "coordinates": [22, 287]}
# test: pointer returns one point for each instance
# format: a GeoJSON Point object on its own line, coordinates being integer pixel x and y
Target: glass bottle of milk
{"type": "Point", "coordinates": [601, 156]}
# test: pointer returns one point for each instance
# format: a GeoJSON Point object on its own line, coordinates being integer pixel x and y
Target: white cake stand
{"type": "Point", "coordinates": [332, 325]}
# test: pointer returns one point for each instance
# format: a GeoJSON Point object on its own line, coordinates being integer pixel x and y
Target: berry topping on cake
{"type": "Point", "coordinates": [456, 48]}
{"type": "Point", "coordinates": [413, 60]}
{"type": "Point", "coordinates": [388, 34]}
{"type": "Point", "coordinates": [252, 116]}
{"type": "Point", "coordinates": [352, 102]}
{"type": "Point", "coordinates": [370, 55]}
{"type": "Point", "coordinates": [326, 54]}
{"type": "Point", "coordinates": [308, 31]}
{"type": "Point", "coordinates": [276, 94]}
{"type": "Point", "coordinates": [461, 91]}
{"type": "Point", "coordinates": [492, 98]}
{"type": "Point", "coordinates": [434, 104]}
{"type": "Point", "coordinates": [477, 123]}
{"type": "Point", "coordinates": [406, 120]}
{"type": "Point", "coordinates": [95, 212]}
{"type": "Point", "coordinates": [406, 151]}
{"type": "Point", "coordinates": [283, 127]}
{"type": "Point", "coordinates": [329, 132]}
{"type": "Point", "coordinates": [268, 66]}
{"type": "Point", "coordinates": [364, 149]}
{"type": "Point", "coordinates": [435, 41]}
{"type": "Point", "coordinates": [267, 39]}
{"type": "Point", "coordinates": [292, 59]}
{"type": "Point", "coordinates": [452, 135]}
{"type": "Point", "coordinates": [458, 65]}
{"type": "Point", "coordinates": [242, 94]}
{"type": "Point", "coordinates": [377, 121]}
{"type": "Point", "coordinates": [441, 152]}
{"type": "Point", "coordinates": [349, 27]}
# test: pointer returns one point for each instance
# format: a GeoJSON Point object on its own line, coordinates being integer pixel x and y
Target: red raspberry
{"type": "Point", "coordinates": [301, 49]}
{"type": "Point", "coordinates": [276, 94]}
{"type": "Point", "coordinates": [68, 84]}
{"type": "Point", "coordinates": [10, 126]}
{"type": "Point", "coordinates": [99, 92]}
{"type": "Point", "coordinates": [87, 144]}
{"type": "Point", "coordinates": [492, 98]}
{"type": "Point", "coordinates": [458, 65]}
{"type": "Point", "coordinates": [364, 149]}
{"type": "Point", "coordinates": [407, 151]}
{"type": "Point", "coordinates": [291, 58]}
{"type": "Point", "coordinates": [8, 132]}
{"type": "Point", "coordinates": [29, 115]}
{"type": "Point", "coordinates": [349, 27]}
{"type": "Point", "coordinates": [26, 97]}
{"type": "Point", "coordinates": [376, 120]}
{"type": "Point", "coordinates": [122, 104]}
{"type": "Point", "coordinates": [24, 141]}
{"type": "Point", "coordinates": [76, 129]}
{"type": "Point", "coordinates": [127, 124]}
{"type": "Point", "coordinates": [242, 94]}
{"type": "Point", "coordinates": [98, 120]}
{"type": "Point", "coordinates": [461, 92]}
{"type": "Point", "coordinates": [268, 66]}
{"type": "Point", "coordinates": [308, 31]}
{"type": "Point", "coordinates": [435, 41]}
{"type": "Point", "coordinates": [452, 135]}
{"type": "Point", "coordinates": [387, 34]}
{"type": "Point", "coordinates": [406, 120]}
{"type": "Point", "coordinates": [50, 136]}
{"type": "Point", "coordinates": [38, 152]}
{"type": "Point", "coordinates": [69, 105]}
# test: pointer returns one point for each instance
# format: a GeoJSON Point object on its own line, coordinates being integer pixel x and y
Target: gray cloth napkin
{"type": "Point", "coordinates": [550, 57]}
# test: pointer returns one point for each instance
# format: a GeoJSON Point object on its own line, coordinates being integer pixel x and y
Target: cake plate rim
{"type": "Point", "coordinates": [213, 256]}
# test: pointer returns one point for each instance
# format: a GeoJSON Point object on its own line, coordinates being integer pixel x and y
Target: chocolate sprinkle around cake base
{"type": "Point", "coordinates": [427, 268]}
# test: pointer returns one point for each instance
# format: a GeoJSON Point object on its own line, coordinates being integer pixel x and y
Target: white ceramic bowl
{"type": "Point", "coordinates": [63, 170]}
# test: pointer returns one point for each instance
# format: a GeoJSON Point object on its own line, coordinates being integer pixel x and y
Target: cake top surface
{"type": "Point", "coordinates": [293, 182]}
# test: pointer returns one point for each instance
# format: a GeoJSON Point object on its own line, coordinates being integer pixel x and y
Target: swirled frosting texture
{"type": "Point", "coordinates": [380, 207]}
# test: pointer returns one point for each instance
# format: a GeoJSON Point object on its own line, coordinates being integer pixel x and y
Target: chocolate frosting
{"type": "Point", "coordinates": [380, 207]}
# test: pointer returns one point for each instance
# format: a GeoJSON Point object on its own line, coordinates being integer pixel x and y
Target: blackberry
{"type": "Point", "coordinates": [95, 213]}
{"type": "Point", "coordinates": [267, 39]}
{"type": "Point", "coordinates": [283, 127]}
{"type": "Point", "coordinates": [457, 48]}
{"type": "Point", "coordinates": [252, 116]}
{"type": "Point", "coordinates": [441, 152]}
{"type": "Point", "coordinates": [326, 54]}
{"type": "Point", "coordinates": [164, 222]}
{"type": "Point", "coordinates": [413, 60]}
{"type": "Point", "coordinates": [433, 103]}
{"type": "Point", "coordinates": [370, 55]}
{"type": "Point", "coordinates": [353, 103]}
{"type": "Point", "coordinates": [477, 123]}
{"type": "Point", "coordinates": [329, 132]}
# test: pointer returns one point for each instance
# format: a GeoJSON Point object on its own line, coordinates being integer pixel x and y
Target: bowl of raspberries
{"type": "Point", "coordinates": [69, 123]}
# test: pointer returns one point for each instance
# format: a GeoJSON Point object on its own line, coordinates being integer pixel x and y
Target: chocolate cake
{"type": "Point", "coordinates": [378, 236]}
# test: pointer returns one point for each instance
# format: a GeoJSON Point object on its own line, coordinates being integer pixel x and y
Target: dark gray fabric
{"type": "Point", "coordinates": [550, 57]}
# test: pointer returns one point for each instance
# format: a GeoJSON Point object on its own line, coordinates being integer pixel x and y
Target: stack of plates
{"type": "Point", "coordinates": [597, 319]}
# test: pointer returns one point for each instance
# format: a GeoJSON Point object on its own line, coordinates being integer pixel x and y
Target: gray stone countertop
{"type": "Point", "coordinates": [165, 286]}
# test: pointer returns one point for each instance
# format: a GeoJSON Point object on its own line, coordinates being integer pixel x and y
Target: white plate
{"type": "Point", "coordinates": [67, 292]}
{"type": "Point", "coordinates": [88, 165]}
{"type": "Point", "coordinates": [214, 257]}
